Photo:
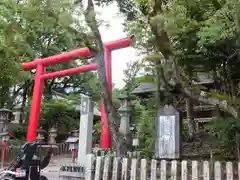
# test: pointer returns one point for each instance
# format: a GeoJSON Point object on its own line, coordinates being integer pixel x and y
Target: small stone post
{"type": "Point", "coordinates": [4, 119]}
{"type": "Point", "coordinates": [135, 143]}
{"type": "Point", "coordinates": [75, 133]}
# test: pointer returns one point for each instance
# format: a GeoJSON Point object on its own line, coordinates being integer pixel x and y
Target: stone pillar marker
{"type": "Point", "coordinates": [85, 130]}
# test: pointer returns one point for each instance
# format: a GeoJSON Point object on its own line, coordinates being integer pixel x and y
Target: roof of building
{"type": "Point", "coordinates": [72, 140]}
{"type": "Point", "coordinates": [144, 88]}
{"type": "Point", "coordinates": [148, 87]}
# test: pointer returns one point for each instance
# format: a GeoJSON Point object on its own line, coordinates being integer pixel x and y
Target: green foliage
{"type": "Point", "coordinates": [97, 127]}
{"type": "Point", "coordinates": [116, 93]}
{"type": "Point", "coordinates": [223, 133]}
{"type": "Point", "coordinates": [34, 29]}
{"type": "Point", "coordinates": [184, 130]}
{"type": "Point", "coordinates": [146, 133]}
{"type": "Point", "coordinates": [139, 109]}
{"type": "Point", "coordinates": [201, 35]}
{"type": "Point", "coordinates": [130, 75]}
{"type": "Point", "coordinates": [59, 113]}
{"type": "Point", "coordinates": [219, 25]}
{"type": "Point", "coordinates": [19, 133]}
{"type": "Point", "coordinates": [141, 31]}
{"type": "Point", "coordinates": [97, 135]}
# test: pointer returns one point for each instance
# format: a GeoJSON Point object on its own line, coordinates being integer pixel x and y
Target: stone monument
{"type": "Point", "coordinates": [85, 130]}
{"type": "Point", "coordinates": [168, 133]}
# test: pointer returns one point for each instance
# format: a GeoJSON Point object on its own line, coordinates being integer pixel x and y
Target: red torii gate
{"type": "Point", "coordinates": [40, 66]}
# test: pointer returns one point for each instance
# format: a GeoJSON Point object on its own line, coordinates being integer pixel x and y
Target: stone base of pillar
{"type": "Point", "coordinates": [71, 172]}
{"type": "Point", "coordinates": [77, 172]}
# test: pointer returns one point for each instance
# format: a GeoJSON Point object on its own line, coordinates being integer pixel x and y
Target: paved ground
{"type": "Point", "coordinates": [51, 171]}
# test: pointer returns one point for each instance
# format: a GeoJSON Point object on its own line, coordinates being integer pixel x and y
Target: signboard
{"type": "Point", "coordinates": [168, 134]}
{"type": "Point", "coordinates": [84, 105]}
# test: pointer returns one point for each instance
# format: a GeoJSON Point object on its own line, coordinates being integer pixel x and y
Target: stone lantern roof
{"type": "Point", "coordinates": [5, 109]}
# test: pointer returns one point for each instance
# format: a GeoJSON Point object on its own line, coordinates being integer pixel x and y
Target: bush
{"type": "Point", "coordinates": [19, 133]}
{"type": "Point", "coordinates": [223, 133]}
{"type": "Point", "coordinates": [59, 113]}
{"type": "Point", "coordinates": [146, 133]}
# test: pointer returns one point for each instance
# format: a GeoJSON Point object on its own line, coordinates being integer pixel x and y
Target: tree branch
{"type": "Point", "coordinates": [202, 97]}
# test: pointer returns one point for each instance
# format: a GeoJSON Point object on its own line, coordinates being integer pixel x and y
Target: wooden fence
{"type": "Point", "coordinates": [140, 169]}
{"type": "Point", "coordinates": [14, 151]}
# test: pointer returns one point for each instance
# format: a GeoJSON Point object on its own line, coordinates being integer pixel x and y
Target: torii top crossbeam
{"type": "Point", "coordinates": [68, 56]}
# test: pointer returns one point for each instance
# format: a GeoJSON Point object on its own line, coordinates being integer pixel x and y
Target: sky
{"type": "Point", "coordinates": [114, 32]}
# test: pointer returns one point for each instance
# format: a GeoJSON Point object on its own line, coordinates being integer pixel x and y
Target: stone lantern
{"type": "Point", "coordinates": [52, 135]}
{"type": "Point", "coordinates": [125, 112]}
{"type": "Point", "coordinates": [41, 133]}
{"type": "Point", "coordinates": [75, 133]}
{"type": "Point", "coordinates": [73, 141]}
{"type": "Point", "coordinates": [4, 119]}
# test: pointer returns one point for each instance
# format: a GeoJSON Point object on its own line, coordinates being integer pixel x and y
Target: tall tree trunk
{"type": "Point", "coordinates": [118, 139]}
{"type": "Point", "coordinates": [157, 66]}
{"type": "Point", "coordinates": [48, 93]}
{"type": "Point", "coordinates": [24, 100]}
{"type": "Point", "coordinates": [190, 119]}
{"type": "Point", "coordinates": [217, 111]}
{"type": "Point", "coordinates": [4, 95]}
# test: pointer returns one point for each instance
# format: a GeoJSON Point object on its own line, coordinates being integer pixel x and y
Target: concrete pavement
{"type": "Point", "coordinates": [51, 171]}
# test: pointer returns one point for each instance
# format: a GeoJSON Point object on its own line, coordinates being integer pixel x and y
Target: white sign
{"type": "Point", "coordinates": [166, 136]}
